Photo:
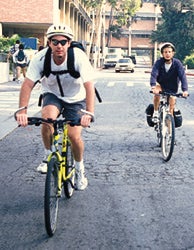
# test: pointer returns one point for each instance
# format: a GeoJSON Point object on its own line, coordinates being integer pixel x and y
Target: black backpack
{"type": "Point", "coordinates": [20, 56]}
{"type": "Point", "coordinates": [70, 66]}
{"type": "Point", "coordinates": [149, 113]}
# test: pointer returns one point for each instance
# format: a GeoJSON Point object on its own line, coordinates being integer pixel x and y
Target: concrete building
{"type": "Point", "coordinates": [31, 18]}
{"type": "Point", "coordinates": [136, 39]}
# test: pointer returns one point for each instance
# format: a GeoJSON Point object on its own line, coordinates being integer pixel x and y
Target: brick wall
{"type": "Point", "coordinates": [29, 11]}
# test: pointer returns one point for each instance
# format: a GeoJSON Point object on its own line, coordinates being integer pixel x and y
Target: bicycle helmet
{"type": "Point", "coordinates": [59, 29]}
{"type": "Point", "coordinates": [167, 45]}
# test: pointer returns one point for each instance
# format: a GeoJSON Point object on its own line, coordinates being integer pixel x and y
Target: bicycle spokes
{"type": "Point", "coordinates": [51, 198]}
{"type": "Point", "coordinates": [168, 135]}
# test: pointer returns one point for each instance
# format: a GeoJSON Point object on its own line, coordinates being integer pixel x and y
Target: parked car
{"type": "Point", "coordinates": [110, 60]}
{"type": "Point", "coordinates": [124, 64]}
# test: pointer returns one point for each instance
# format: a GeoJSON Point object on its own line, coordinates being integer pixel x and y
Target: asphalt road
{"type": "Point", "coordinates": [134, 200]}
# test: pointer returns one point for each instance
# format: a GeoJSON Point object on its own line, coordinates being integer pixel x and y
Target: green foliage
{"type": "Point", "coordinates": [177, 26]}
{"type": "Point", "coordinates": [93, 4]}
{"type": "Point", "coordinates": [125, 11]}
{"type": "Point", "coordinates": [189, 61]}
{"type": "Point", "coordinates": [6, 43]}
{"type": "Point", "coordinates": [116, 31]}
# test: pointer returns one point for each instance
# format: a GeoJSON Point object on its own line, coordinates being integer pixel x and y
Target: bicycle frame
{"type": "Point", "coordinates": [61, 170]}
{"type": "Point", "coordinates": [61, 156]}
{"type": "Point", "coordinates": [163, 111]}
{"type": "Point", "coordinates": [165, 127]}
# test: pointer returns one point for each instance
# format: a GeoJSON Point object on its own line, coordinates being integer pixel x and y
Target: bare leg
{"type": "Point", "coordinates": [156, 100]}
{"type": "Point", "coordinates": [18, 72]}
{"type": "Point", "coordinates": [172, 102]}
{"type": "Point", "coordinates": [52, 112]}
{"type": "Point", "coordinates": [77, 143]}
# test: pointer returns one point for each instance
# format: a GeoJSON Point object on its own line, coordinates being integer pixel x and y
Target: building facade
{"type": "Point", "coordinates": [136, 39]}
{"type": "Point", "coordinates": [31, 18]}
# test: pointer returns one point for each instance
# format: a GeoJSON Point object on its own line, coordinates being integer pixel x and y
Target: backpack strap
{"type": "Point", "coordinates": [70, 69]}
{"type": "Point", "coordinates": [70, 63]}
{"type": "Point", "coordinates": [47, 63]}
{"type": "Point", "coordinates": [59, 84]}
{"type": "Point", "coordinates": [47, 70]}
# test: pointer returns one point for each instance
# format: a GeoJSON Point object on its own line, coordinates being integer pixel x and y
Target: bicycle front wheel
{"type": "Point", "coordinates": [159, 134]}
{"type": "Point", "coordinates": [51, 198]}
{"type": "Point", "coordinates": [69, 170]}
{"type": "Point", "coordinates": [168, 137]}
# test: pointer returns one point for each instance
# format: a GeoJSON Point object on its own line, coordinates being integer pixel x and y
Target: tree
{"type": "Point", "coordinates": [177, 26]}
{"type": "Point", "coordinates": [120, 14]}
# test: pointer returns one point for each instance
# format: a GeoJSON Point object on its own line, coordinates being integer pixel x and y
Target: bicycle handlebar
{"type": "Point", "coordinates": [37, 121]}
{"type": "Point", "coordinates": [170, 94]}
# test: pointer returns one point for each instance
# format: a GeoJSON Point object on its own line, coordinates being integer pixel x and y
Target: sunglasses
{"type": "Point", "coordinates": [56, 42]}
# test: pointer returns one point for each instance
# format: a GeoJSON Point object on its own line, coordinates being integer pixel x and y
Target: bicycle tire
{"type": "Point", "coordinates": [159, 134]}
{"type": "Point", "coordinates": [168, 137]}
{"type": "Point", "coordinates": [51, 198]}
{"type": "Point", "coordinates": [69, 184]}
{"type": "Point", "coordinates": [159, 130]}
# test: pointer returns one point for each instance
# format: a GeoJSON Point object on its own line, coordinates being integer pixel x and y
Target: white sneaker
{"type": "Point", "coordinates": [155, 117]}
{"type": "Point", "coordinates": [81, 182]}
{"type": "Point", "coordinates": [42, 168]}
{"type": "Point", "coordinates": [18, 81]}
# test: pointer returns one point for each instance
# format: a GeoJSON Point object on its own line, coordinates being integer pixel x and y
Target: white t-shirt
{"type": "Point", "coordinates": [167, 66]}
{"type": "Point", "coordinates": [73, 88]}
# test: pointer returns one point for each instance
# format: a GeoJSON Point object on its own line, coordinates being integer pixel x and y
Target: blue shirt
{"type": "Point", "coordinates": [169, 81]}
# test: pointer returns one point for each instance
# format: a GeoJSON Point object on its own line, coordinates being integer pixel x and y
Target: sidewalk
{"type": "Point", "coordinates": [9, 100]}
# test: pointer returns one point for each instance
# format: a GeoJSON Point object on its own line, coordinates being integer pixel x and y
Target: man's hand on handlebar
{"type": "Point", "coordinates": [185, 94]}
{"type": "Point", "coordinates": [86, 118]}
{"type": "Point", "coordinates": [21, 117]}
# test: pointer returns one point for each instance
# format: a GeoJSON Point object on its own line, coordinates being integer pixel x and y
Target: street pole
{"type": "Point", "coordinates": [156, 26]}
{"type": "Point", "coordinates": [129, 41]}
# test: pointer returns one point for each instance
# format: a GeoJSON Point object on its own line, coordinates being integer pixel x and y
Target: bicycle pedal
{"type": "Point", "coordinates": [58, 194]}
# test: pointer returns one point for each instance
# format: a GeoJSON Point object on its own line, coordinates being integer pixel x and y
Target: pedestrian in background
{"type": "Point", "coordinates": [21, 59]}
{"type": "Point", "coordinates": [13, 49]}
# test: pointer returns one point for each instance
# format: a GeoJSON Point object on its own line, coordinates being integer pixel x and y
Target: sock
{"type": "Point", "coordinates": [79, 165]}
{"type": "Point", "coordinates": [47, 151]}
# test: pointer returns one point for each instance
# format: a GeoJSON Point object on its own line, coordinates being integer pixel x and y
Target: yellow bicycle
{"type": "Point", "coordinates": [61, 170]}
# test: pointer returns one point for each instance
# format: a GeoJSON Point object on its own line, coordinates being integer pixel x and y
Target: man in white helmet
{"type": "Point", "coordinates": [166, 74]}
{"type": "Point", "coordinates": [78, 94]}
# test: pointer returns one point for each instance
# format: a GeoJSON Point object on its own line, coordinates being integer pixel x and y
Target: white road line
{"type": "Point", "coordinates": [111, 84]}
{"type": "Point", "coordinates": [130, 84]}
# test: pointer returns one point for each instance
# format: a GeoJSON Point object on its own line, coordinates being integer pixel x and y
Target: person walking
{"type": "Point", "coordinates": [166, 74]}
{"type": "Point", "coordinates": [20, 58]}
{"type": "Point", "coordinates": [13, 49]}
{"type": "Point", "coordinates": [79, 93]}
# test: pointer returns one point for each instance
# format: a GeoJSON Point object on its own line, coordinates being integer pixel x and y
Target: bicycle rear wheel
{"type": "Point", "coordinates": [51, 198]}
{"type": "Point", "coordinates": [168, 137]}
{"type": "Point", "coordinates": [69, 169]}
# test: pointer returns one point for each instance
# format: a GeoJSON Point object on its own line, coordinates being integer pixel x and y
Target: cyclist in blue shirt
{"type": "Point", "coordinates": [167, 73]}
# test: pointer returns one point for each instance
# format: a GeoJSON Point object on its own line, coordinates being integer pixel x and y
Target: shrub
{"type": "Point", "coordinates": [7, 42]}
{"type": "Point", "coordinates": [189, 61]}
